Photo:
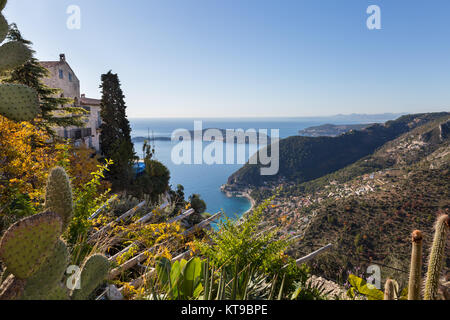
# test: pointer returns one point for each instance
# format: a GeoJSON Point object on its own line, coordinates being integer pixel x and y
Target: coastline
{"type": "Point", "coordinates": [232, 192]}
{"type": "Point", "coordinates": [252, 201]}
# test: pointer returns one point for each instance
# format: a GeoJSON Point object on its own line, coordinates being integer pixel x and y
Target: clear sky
{"type": "Point", "coordinates": [248, 58]}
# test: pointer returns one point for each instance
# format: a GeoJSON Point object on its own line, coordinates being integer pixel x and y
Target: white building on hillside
{"type": "Point", "coordinates": [63, 77]}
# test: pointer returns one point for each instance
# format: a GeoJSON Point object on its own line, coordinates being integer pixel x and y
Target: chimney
{"type": "Point", "coordinates": [62, 57]}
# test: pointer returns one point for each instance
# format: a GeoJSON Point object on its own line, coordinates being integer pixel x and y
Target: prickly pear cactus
{"type": "Point", "coordinates": [94, 271]}
{"type": "Point", "coordinates": [59, 292]}
{"type": "Point", "coordinates": [27, 244]}
{"type": "Point", "coordinates": [18, 102]}
{"type": "Point", "coordinates": [42, 284]}
{"type": "Point", "coordinates": [3, 28]}
{"type": "Point", "coordinates": [58, 195]}
{"type": "Point", "coordinates": [13, 54]}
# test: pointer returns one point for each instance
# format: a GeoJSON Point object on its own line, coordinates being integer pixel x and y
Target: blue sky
{"type": "Point", "coordinates": [248, 58]}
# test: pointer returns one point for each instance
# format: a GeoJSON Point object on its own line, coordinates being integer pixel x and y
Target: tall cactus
{"type": "Point", "coordinates": [390, 290]}
{"type": "Point", "coordinates": [17, 102]}
{"type": "Point", "coordinates": [415, 271]}
{"type": "Point", "coordinates": [435, 261]}
{"type": "Point", "coordinates": [58, 195]}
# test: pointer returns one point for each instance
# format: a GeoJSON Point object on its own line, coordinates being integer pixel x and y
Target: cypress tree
{"type": "Point", "coordinates": [31, 75]}
{"type": "Point", "coordinates": [115, 137]}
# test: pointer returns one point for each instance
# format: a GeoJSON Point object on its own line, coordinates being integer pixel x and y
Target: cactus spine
{"type": "Point", "coordinates": [415, 271]}
{"type": "Point", "coordinates": [435, 261]}
{"type": "Point", "coordinates": [390, 290]}
{"type": "Point", "coordinates": [58, 195]}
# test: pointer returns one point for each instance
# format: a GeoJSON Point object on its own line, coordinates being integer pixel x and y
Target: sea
{"type": "Point", "coordinates": [206, 179]}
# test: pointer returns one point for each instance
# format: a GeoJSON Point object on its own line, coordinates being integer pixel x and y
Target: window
{"type": "Point", "coordinates": [61, 74]}
{"type": "Point", "coordinates": [70, 77]}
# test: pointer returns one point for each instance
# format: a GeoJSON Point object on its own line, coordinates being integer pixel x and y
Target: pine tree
{"type": "Point", "coordinates": [31, 74]}
{"type": "Point", "coordinates": [115, 137]}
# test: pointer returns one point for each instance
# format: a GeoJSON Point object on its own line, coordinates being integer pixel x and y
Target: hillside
{"type": "Point", "coordinates": [368, 209]}
{"type": "Point", "coordinates": [306, 158]}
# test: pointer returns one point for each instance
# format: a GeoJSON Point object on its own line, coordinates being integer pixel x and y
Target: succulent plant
{"type": "Point", "coordinates": [45, 281]}
{"type": "Point", "coordinates": [58, 195]}
{"type": "Point", "coordinates": [17, 102]}
{"type": "Point", "coordinates": [36, 258]}
{"type": "Point", "coordinates": [94, 271]}
{"type": "Point", "coordinates": [14, 54]}
{"type": "Point", "coordinates": [437, 254]}
{"type": "Point", "coordinates": [26, 245]}
{"type": "Point", "coordinates": [415, 271]}
{"type": "Point", "coordinates": [390, 290]}
{"type": "Point", "coordinates": [3, 28]}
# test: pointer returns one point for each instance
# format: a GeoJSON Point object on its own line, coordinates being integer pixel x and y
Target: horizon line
{"type": "Point", "coordinates": [272, 117]}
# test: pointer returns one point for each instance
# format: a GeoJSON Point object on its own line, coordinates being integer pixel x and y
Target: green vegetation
{"type": "Point", "coordinates": [115, 133]}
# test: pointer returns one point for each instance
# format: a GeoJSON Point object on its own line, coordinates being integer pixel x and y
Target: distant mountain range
{"type": "Point", "coordinates": [307, 158]}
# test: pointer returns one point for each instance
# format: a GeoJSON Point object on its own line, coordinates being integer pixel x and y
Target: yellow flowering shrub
{"type": "Point", "coordinates": [26, 157]}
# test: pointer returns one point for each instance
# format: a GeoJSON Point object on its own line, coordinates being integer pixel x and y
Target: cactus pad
{"type": "Point", "coordinates": [94, 271]}
{"type": "Point", "coordinates": [27, 244]}
{"type": "Point", "coordinates": [18, 102]}
{"type": "Point", "coordinates": [3, 28]}
{"type": "Point", "coordinates": [44, 281]}
{"type": "Point", "coordinates": [13, 54]}
{"type": "Point", "coordinates": [58, 195]}
{"type": "Point", "coordinates": [59, 292]}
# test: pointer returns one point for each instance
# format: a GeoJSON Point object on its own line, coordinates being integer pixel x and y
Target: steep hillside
{"type": "Point", "coordinates": [368, 209]}
{"type": "Point", "coordinates": [306, 158]}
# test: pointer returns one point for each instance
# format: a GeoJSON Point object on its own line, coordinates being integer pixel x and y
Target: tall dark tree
{"type": "Point", "coordinates": [115, 137]}
{"type": "Point", "coordinates": [31, 74]}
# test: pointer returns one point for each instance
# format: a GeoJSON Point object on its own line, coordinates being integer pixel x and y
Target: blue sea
{"type": "Point", "coordinates": [206, 179]}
